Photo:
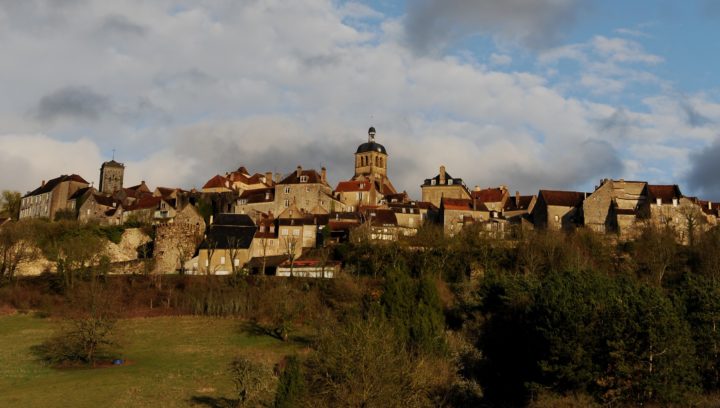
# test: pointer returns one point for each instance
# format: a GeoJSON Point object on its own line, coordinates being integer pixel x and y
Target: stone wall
{"type": "Point", "coordinates": [178, 241]}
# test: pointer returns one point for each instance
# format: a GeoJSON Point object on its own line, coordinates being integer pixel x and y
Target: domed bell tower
{"type": "Point", "coordinates": [371, 158]}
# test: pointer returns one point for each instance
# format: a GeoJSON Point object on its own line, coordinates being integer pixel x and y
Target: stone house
{"type": "Point", "coordinates": [493, 199]}
{"type": "Point", "coordinates": [517, 209]}
{"type": "Point", "coordinates": [129, 195]}
{"type": "Point", "coordinates": [409, 217]}
{"type": "Point", "coordinates": [443, 186]}
{"type": "Point", "coordinates": [177, 242]}
{"type": "Point", "coordinates": [341, 224]}
{"type": "Point", "coordinates": [357, 193]}
{"type": "Point", "coordinates": [617, 206]}
{"type": "Point", "coordinates": [52, 197]}
{"type": "Point", "coordinates": [255, 202]}
{"type": "Point", "coordinates": [102, 209]}
{"type": "Point", "coordinates": [306, 189]}
{"type": "Point", "coordinates": [558, 210]}
{"type": "Point", "coordinates": [217, 184]}
{"type": "Point", "coordinates": [456, 213]}
{"type": "Point", "coordinates": [227, 244]}
{"type": "Point", "coordinates": [381, 224]}
{"type": "Point", "coordinates": [142, 210]}
{"type": "Point", "coordinates": [684, 215]}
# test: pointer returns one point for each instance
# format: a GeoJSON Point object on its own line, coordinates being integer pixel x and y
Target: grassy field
{"type": "Point", "coordinates": [175, 361]}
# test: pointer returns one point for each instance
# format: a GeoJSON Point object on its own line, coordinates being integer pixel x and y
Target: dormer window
{"type": "Point", "coordinates": [432, 182]}
{"type": "Point", "coordinates": [450, 181]}
{"type": "Point", "coordinates": [303, 179]}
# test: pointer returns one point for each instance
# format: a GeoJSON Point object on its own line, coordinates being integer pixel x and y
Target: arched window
{"type": "Point", "coordinates": [377, 161]}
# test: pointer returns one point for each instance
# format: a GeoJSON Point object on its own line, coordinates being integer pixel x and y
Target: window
{"type": "Point", "coordinates": [432, 182]}
{"type": "Point", "coordinates": [287, 189]}
{"type": "Point", "coordinates": [557, 218]}
{"type": "Point", "coordinates": [237, 262]}
{"type": "Point", "coordinates": [284, 231]}
{"type": "Point", "coordinates": [450, 181]}
{"type": "Point", "coordinates": [222, 260]}
{"type": "Point", "coordinates": [296, 232]}
{"type": "Point", "coordinates": [287, 203]}
{"type": "Point", "coordinates": [303, 179]}
{"type": "Point", "coordinates": [262, 228]}
{"type": "Point", "coordinates": [272, 228]}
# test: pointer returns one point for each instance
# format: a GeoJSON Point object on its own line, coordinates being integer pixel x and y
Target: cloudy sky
{"type": "Point", "coordinates": [527, 93]}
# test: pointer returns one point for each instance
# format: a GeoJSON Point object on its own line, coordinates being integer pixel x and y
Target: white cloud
{"type": "Point", "coordinates": [500, 59]}
{"type": "Point", "coordinates": [196, 91]}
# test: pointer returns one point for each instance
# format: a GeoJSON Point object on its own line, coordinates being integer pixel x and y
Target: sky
{"type": "Point", "coordinates": [531, 94]}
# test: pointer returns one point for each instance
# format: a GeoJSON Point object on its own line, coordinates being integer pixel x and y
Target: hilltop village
{"type": "Point", "coordinates": [270, 223]}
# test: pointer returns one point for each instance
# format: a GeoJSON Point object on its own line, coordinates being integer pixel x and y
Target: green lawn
{"type": "Point", "coordinates": [173, 359]}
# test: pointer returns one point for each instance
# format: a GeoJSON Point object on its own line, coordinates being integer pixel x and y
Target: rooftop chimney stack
{"type": "Point", "coordinates": [517, 199]}
{"type": "Point", "coordinates": [442, 175]}
{"type": "Point", "coordinates": [323, 175]}
{"type": "Point", "coordinates": [477, 188]}
{"type": "Point", "coordinates": [269, 178]}
{"type": "Point", "coordinates": [42, 184]}
{"type": "Point", "coordinates": [298, 172]}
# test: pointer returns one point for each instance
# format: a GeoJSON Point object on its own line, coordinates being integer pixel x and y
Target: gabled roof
{"type": "Point", "coordinates": [235, 220]}
{"type": "Point", "coordinates": [312, 175]}
{"type": "Point", "coordinates": [563, 198]}
{"type": "Point", "coordinates": [80, 192]}
{"type": "Point", "coordinates": [51, 184]}
{"type": "Point", "coordinates": [381, 217]}
{"type": "Point", "coordinates": [217, 182]}
{"type": "Point", "coordinates": [144, 203]}
{"type": "Point", "coordinates": [353, 185]}
{"type": "Point", "coordinates": [260, 195]}
{"type": "Point", "coordinates": [513, 204]}
{"type": "Point", "coordinates": [666, 193]}
{"type": "Point", "coordinates": [397, 197]}
{"type": "Point", "coordinates": [106, 201]}
{"type": "Point", "coordinates": [489, 195]}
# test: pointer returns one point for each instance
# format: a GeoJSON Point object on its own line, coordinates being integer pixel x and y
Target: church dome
{"type": "Point", "coordinates": [371, 145]}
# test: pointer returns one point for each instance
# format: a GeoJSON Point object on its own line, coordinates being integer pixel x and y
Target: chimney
{"type": "Point", "coordinates": [42, 184]}
{"type": "Point", "coordinates": [709, 205]}
{"type": "Point", "coordinates": [298, 172]}
{"type": "Point", "coordinates": [517, 199]}
{"type": "Point", "coordinates": [323, 175]}
{"type": "Point", "coordinates": [269, 178]}
{"type": "Point", "coordinates": [477, 188]}
{"type": "Point", "coordinates": [442, 174]}
{"type": "Point", "coordinates": [277, 177]}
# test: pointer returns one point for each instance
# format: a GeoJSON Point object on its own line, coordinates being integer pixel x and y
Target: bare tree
{"type": "Point", "coordinates": [693, 218]}
{"type": "Point", "coordinates": [14, 249]}
{"type": "Point", "coordinates": [290, 246]}
{"type": "Point", "coordinates": [233, 245]}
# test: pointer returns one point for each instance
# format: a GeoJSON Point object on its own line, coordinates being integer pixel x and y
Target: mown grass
{"type": "Point", "coordinates": [173, 362]}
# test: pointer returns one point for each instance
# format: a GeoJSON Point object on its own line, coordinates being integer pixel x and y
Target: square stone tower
{"type": "Point", "coordinates": [111, 177]}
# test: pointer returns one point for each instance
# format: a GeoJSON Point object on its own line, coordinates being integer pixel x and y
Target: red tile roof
{"type": "Point", "coordinates": [462, 204]}
{"type": "Point", "coordinates": [489, 195]}
{"type": "Point", "coordinates": [352, 185]}
{"type": "Point", "coordinates": [145, 203]}
{"type": "Point", "coordinates": [513, 204]}
{"type": "Point", "coordinates": [666, 193]}
{"type": "Point", "coordinates": [312, 175]}
{"type": "Point", "coordinates": [217, 182]}
{"type": "Point", "coordinates": [51, 184]}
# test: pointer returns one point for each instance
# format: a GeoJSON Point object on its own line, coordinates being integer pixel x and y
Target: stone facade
{"type": "Point", "coordinates": [111, 177]}
{"type": "Point", "coordinates": [51, 197]}
{"type": "Point", "coordinates": [443, 186]}
{"type": "Point", "coordinates": [616, 206]}
{"type": "Point", "coordinates": [178, 241]}
{"type": "Point", "coordinates": [558, 210]}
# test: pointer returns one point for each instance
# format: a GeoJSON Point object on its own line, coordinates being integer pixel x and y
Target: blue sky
{"type": "Point", "coordinates": [530, 94]}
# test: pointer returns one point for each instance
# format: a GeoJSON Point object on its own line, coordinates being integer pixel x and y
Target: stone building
{"type": "Point", "coordinates": [410, 216]}
{"type": "Point", "coordinates": [177, 242]}
{"type": "Point", "coordinates": [558, 210]}
{"type": "Point", "coordinates": [111, 177]}
{"type": "Point", "coordinates": [370, 184]}
{"type": "Point", "coordinates": [52, 197]}
{"type": "Point", "coordinates": [255, 202]}
{"type": "Point", "coordinates": [443, 186]}
{"type": "Point", "coordinates": [493, 199]}
{"type": "Point", "coordinates": [518, 208]}
{"type": "Point", "coordinates": [457, 213]}
{"type": "Point", "coordinates": [101, 209]}
{"type": "Point", "coordinates": [305, 189]}
{"type": "Point", "coordinates": [381, 224]}
{"type": "Point", "coordinates": [227, 244]}
{"type": "Point", "coordinates": [617, 206]}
